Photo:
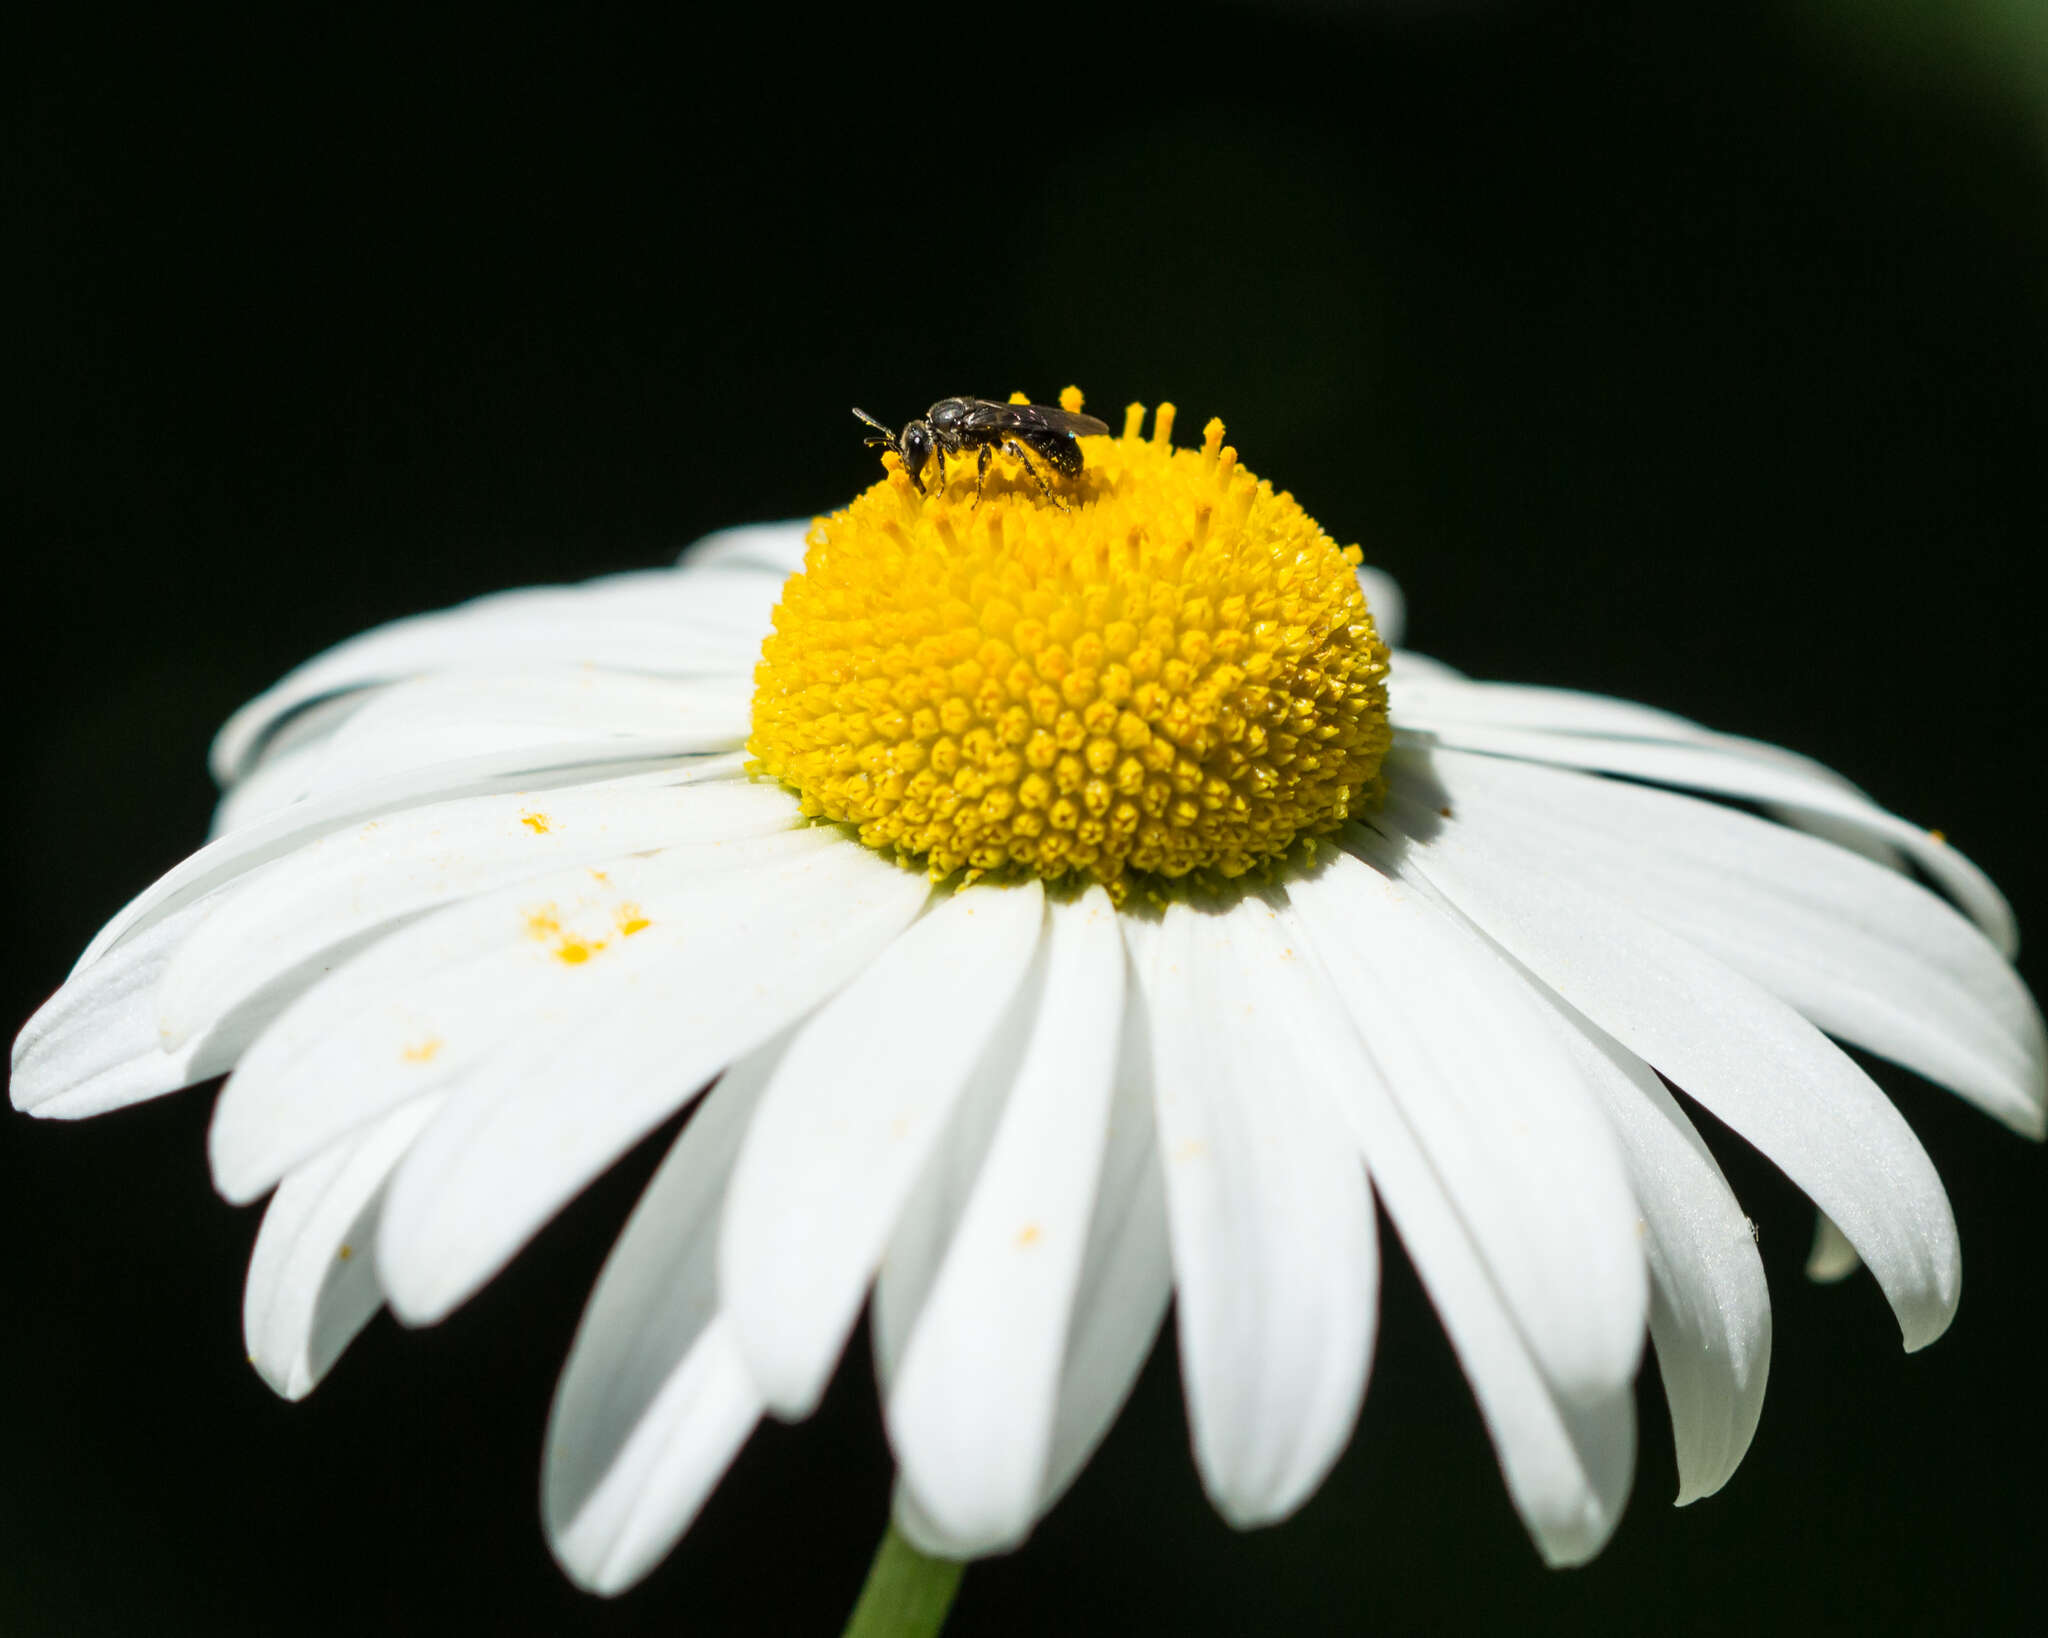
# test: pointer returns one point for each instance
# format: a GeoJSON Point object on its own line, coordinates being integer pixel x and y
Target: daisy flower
{"type": "Point", "coordinates": [1058, 909]}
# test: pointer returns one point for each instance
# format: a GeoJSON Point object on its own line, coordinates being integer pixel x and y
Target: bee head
{"type": "Point", "coordinates": [915, 447]}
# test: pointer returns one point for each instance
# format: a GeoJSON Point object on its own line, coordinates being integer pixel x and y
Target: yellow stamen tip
{"type": "Point", "coordinates": [1070, 400]}
{"type": "Point", "coordinates": [1020, 398]}
{"type": "Point", "coordinates": [1176, 673]}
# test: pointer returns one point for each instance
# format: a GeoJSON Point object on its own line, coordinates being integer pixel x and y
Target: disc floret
{"type": "Point", "coordinates": [1176, 674]}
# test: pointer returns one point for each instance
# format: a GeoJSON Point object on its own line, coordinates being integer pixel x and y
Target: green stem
{"type": "Point", "coordinates": [907, 1594]}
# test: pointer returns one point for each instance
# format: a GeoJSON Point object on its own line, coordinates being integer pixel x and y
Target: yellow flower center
{"type": "Point", "coordinates": [1176, 673]}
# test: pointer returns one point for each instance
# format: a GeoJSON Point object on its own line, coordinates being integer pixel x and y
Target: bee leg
{"type": "Point", "coordinates": [981, 472]}
{"type": "Point", "coordinates": [1012, 447]}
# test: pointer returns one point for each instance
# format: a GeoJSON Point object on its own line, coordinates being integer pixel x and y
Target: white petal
{"type": "Point", "coordinates": [1275, 1265]}
{"type": "Point", "coordinates": [1784, 781]}
{"type": "Point", "coordinates": [654, 1402]}
{"type": "Point", "coordinates": [529, 1127]}
{"type": "Point", "coordinates": [1439, 700]}
{"type": "Point", "coordinates": [1430, 703]}
{"type": "Point", "coordinates": [1710, 1310]}
{"type": "Point", "coordinates": [663, 622]}
{"type": "Point", "coordinates": [846, 1126]}
{"type": "Point", "coordinates": [281, 772]}
{"type": "Point", "coordinates": [1429, 700]}
{"type": "Point", "coordinates": [1126, 1271]}
{"type": "Point", "coordinates": [1736, 1049]}
{"type": "Point", "coordinates": [228, 857]}
{"type": "Point", "coordinates": [1408, 665]}
{"type": "Point", "coordinates": [1867, 954]}
{"type": "Point", "coordinates": [312, 1279]}
{"type": "Point", "coordinates": [1568, 1465]}
{"type": "Point", "coordinates": [692, 1434]}
{"type": "Point", "coordinates": [610, 716]}
{"type": "Point", "coordinates": [329, 895]}
{"type": "Point", "coordinates": [93, 1045]}
{"type": "Point", "coordinates": [932, 1209]}
{"type": "Point", "coordinates": [461, 986]}
{"type": "Point", "coordinates": [1125, 1285]}
{"type": "Point", "coordinates": [1383, 597]}
{"type": "Point", "coordinates": [973, 1406]}
{"type": "Point", "coordinates": [1501, 1109]}
{"type": "Point", "coordinates": [767, 548]}
{"type": "Point", "coordinates": [1832, 1257]}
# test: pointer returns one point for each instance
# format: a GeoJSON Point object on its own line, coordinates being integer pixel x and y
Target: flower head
{"type": "Point", "coordinates": [1176, 674]}
{"type": "Point", "coordinates": [1063, 911]}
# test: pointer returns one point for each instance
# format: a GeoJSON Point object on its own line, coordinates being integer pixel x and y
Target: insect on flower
{"type": "Point", "coordinates": [952, 425]}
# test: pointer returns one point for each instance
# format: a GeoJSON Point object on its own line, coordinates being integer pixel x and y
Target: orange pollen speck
{"type": "Point", "coordinates": [544, 926]}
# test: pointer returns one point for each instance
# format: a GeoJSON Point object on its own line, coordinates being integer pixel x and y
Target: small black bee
{"type": "Point", "coordinates": [953, 424]}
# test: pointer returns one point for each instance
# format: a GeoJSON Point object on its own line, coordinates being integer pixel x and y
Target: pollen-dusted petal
{"type": "Point", "coordinates": [456, 988]}
{"type": "Point", "coordinates": [846, 1125]}
{"type": "Point", "coordinates": [326, 896]}
{"type": "Point", "coordinates": [1120, 1303]}
{"type": "Point", "coordinates": [972, 1408]}
{"type": "Point", "coordinates": [1168, 667]}
{"type": "Point", "coordinates": [726, 967]}
{"type": "Point", "coordinates": [229, 857]}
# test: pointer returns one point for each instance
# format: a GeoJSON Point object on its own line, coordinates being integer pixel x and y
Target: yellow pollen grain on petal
{"type": "Point", "coordinates": [630, 919]}
{"type": "Point", "coordinates": [1165, 667]}
{"type": "Point", "coordinates": [422, 1051]}
{"type": "Point", "coordinates": [538, 823]}
{"type": "Point", "coordinates": [544, 926]}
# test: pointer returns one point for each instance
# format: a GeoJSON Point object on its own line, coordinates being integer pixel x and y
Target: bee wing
{"type": "Point", "coordinates": [989, 416]}
{"type": "Point", "coordinates": [1059, 420]}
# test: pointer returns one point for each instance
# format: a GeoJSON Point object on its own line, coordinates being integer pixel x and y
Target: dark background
{"type": "Point", "coordinates": [1690, 353]}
